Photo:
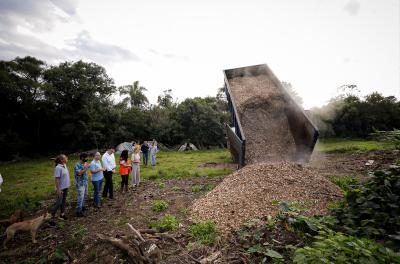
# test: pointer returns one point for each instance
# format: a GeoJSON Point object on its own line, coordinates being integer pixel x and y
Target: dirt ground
{"type": "Point", "coordinates": [78, 243]}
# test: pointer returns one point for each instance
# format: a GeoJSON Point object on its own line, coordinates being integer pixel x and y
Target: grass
{"type": "Point", "coordinates": [159, 205]}
{"type": "Point", "coordinates": [28, 183]}
{"type": "Point", "coordinates": [344, 182]}
{"type": "Point", "coordinates": [203, 233]}
{"type": "Point", "coordinates": [202, 187]}
{"type": "Point", "coordinates": [166, 223]}
{"type": "Point", "coordinates": [337, 145]}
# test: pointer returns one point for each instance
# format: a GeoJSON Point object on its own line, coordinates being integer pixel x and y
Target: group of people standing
{"type": "Point", "coordinates": [102, 168]}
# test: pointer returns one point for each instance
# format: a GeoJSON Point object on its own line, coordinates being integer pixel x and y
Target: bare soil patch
{"type": "Point", "coordinates": [219, 165]}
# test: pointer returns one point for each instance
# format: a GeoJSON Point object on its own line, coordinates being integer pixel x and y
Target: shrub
{"type": "Point", "coordinates": [204, 233]}
{"type": "Point", "coordinates": [373, 208]}
{"type": "Point", "coordinates": [159, 205]}
{"type": "Point", "coordinates": [166, 223]}
{"type": "Point", "coordinates": [339, 248]}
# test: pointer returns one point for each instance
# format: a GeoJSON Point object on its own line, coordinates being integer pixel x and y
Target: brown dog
{"type": "Point", "coordinates": [28, 225]}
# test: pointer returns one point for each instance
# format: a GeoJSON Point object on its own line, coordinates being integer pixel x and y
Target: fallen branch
{"type": "Point", "coordinates": [136, 233]}
{"type": "Point", "coordinates": [156, 234]}
{"type": "Point", "coordinates": [147, 248]}
{"type": "Point", "coordinates": [210, 259]}
{"type": "Point", "coordinates": [133, 253]}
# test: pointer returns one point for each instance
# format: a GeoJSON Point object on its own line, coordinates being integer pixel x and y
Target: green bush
{"type": "Point", "coordinates": [373, 209]}
{"type": "Point", "coordinates": [204, 233]}
{"type": "Point", "coordinates": [159, 205]}
{"type": "Point", "coordinates": [166, 223]}
{"type": "Point", "coordinates": [339, 248]}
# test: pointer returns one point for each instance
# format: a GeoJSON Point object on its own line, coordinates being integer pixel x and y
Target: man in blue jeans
{"type": "Point", "coordinates": [81, 182]}
{"type": "Point", "coordinates": [96, 168]}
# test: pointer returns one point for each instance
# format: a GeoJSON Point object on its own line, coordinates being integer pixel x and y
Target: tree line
{"type": "Point", "coordinates": [74, 106]}
{"type": "Point", "coordinates": [353, 116]}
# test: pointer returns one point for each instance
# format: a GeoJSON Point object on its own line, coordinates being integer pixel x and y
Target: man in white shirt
{"type": "Point", "coordinates": [109, 165]}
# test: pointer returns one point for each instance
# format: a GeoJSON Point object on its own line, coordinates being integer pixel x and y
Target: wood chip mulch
{"type": "Point", "coordinates": [248, 193]}
{"type": "Point", "coordinates": [261, 107]}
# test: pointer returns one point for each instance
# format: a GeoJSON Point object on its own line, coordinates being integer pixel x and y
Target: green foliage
{"type": "Point", "coordinates": [161, 185]}
{"type": "Point", "coordinates": [64, 106]}
{"type": "Point", "coordinates": [373, 208]}
{"type": "Point", "coordinates": [336, 145]}
{"type": "Point", "coordinates": [351, 116]}
{"type": "Point", "coordinates": [293, 216]}
{"type": "Point", "coordinates": [166, 223]}
{"type": "Point", "coordinates": [202, 187]}
{"type": "Point", "coordinates": [346, 183]}
{"type": "Point", "coordinates": [339, 248]}
{"type": "Point", "coordinates": [136, 96]}
{"type": "Point", "coordinates": [267, 252]}
{"type": "Point", "coordinates": [260, 238]}
{"type": "Point", "coordinates": [392, 137]}
{"type": "Point", "coordinates": [159, 205]}
{"type": "Point", "coordinates": [204, 233]}
{"type": "Point", "coordinates": [59, 256]}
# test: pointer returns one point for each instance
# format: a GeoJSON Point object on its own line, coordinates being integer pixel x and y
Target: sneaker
{"type": "Point", "coordinates": [84, 209]}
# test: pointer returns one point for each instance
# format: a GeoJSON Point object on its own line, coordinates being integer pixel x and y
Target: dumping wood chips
{"type": "Point", "coordinates": [249, 192]}
{"type": "Point", "coordinates": [261, 108]}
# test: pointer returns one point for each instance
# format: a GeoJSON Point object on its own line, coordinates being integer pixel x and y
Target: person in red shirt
{"type": "Point", "coordinates": [124, 169]}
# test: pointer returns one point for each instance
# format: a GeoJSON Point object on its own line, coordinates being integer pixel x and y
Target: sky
{"type": "Point", "coordinates": [184, 45]}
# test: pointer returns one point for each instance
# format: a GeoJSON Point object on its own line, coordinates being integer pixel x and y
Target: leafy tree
{"type": "Point", "coordinates": [201, 121]}
{"type": "Point", "coordinates": [165, 100]}
{"type": "Point", "coordinates": [137, 98]}
{"type": "Point", "coordinates": [80, 94]}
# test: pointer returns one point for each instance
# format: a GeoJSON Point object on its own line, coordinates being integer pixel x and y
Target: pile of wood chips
{"type": "Point", "coordinates": [261, 107]}
{"type": "Point", "coordinates": [249, 192]}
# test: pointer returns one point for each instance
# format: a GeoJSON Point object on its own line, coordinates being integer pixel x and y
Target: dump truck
{"type": "Point", "coordinates": [267, 124]}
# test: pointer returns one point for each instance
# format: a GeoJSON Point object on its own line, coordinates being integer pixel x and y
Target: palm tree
{"type": "Point", "coordinates": [136, 98]}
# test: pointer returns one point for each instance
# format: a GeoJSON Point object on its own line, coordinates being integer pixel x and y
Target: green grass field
{"type": "Point", "coordinates": [351, 145]}
{"type": "Point", "coordinates": [28, 183]}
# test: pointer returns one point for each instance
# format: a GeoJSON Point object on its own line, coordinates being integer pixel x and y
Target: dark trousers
{"type": "Point", "coordinates": [60, 203]}
{"type": "Point", "coordinates": [124, 180]}
{"type": "Point", "coordinates": [108, 185]}
{"type": "Point", "coordinates": [145, 157]}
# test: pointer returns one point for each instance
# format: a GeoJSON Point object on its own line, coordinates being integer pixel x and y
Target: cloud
{"type": "Point", "coordinates": [352, 7]}
{"type": "Point", "coordinates": [43, 16]}
{"type": "Point", "coordinates": [86, 47]}
{"type": "Point", "coordinates": [36, 15]}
